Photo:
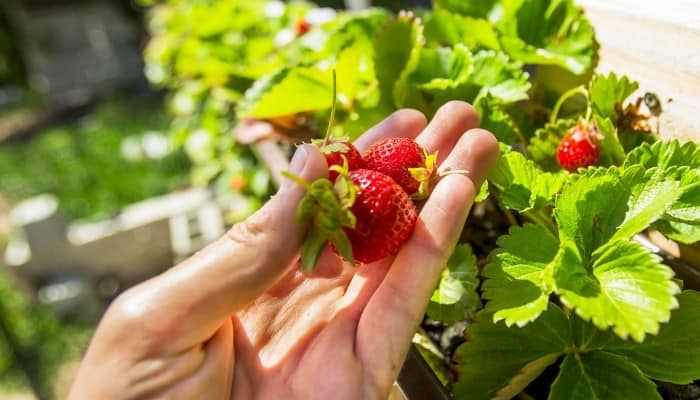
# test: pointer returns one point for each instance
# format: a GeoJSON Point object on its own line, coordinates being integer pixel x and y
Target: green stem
{"type": "Point", "coordinates": [538, 217]}
{"type": "Point", "coordinates": [564, 97]}
{"type": "Point", "coordinates": [330, 121]}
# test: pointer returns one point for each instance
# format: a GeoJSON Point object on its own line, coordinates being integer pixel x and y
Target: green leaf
{"type": "Point", "coordinates": [523, 185]}
{"type": "Point", "coordinates": [543, 146]}
{"type": "Point", "coordinates": [687, 207]}
{"type": "Point", "coordinates": [496, 120]}
{"type": "Point", "coordinates": [626, 288]}
{"type": "Point", "coordinates": [550, 32]}
{"type": "Point", "coordinates": [455, 298]}
{"type": "Point", "coordinates": [514, 175]}
{"type": "Point", "coordinates": [475, 9]}
{"type": "Point", "coordinates": [497, 362]}
{"type": "Point", "coordinates": [665, 155]}
{"type": "Point", "coordinates": [446, 28]}
{"type": "Point", "coordinates": [287, 91]}
{"type": "Point", "coordinates": [648, 202]}
{"type": "Point", "coordinates": [398, 42]}
{"type": "Point", "coordinates": [679, 231]}
{"type": "Point", "coordinates": [589, 210]}
{"type": "Point", "coordinates": [498, 76]}
{"type": "Point", "coordinates": [608, 91]}
{"type": "Point", "coordinates": [483, 193]}
{"type": "Point", "coordinates": [674, 354]}
{"type": "Point", "coordinates": [611, 150]}
{"type": "Point", "coordinates": [600, 375]}
{"type": "Point", "coordinates": [519, 275]}
{"type": "Point", "coordinates": [355, 71]}
{"type": "Point", "coordinates": [434, 71]}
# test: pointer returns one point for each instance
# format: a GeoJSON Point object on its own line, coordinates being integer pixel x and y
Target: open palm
{"type": "Point", "coordinates": [241, 320]}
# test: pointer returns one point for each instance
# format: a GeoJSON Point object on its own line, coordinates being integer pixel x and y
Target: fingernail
{"type": "Point", "coordinates": [296, 166]}
{"type": "Point", "coordinates": [299, 160]}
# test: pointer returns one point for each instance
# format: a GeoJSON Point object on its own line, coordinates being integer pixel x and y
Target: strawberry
{"type": "Point", "coordinates": [579, 147]}
{"type": "Point", "coordinates": [334, 153]}
{"type": "Point", "coordinates": [385, 216]}
{"type": "Point", "coordinates": [365, 215]}
{"type": "Point", "coordinates": [405, 161]}
{"type": "Point", "coordinates": [301, 27]}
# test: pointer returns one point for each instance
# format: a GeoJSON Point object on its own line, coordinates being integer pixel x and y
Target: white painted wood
{"type": "Point", "coordinates": [658, 44]}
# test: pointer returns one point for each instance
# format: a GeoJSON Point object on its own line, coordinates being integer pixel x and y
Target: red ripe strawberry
{"type": "Point", "coordinates": [334, 153]}
{"type": "Point", "coordinates": [405, 161]}
{"type": "Point", "coordinates": [365, 215]}
{"type": "Point", "coordinates": [579, 147]}
{"type": "Point", "coordinates": [301, 27]}
{"type": "Point", "coordinates": [385, 216]}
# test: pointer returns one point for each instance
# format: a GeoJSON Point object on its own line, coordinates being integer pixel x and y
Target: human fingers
{"type": "Point", "coordinates": [404, 123]}
{"type": "Point", "coordinates": [398, 304]}
{"type": "Point", "coordinates": [187, 303]}
{"type": "Point", "coordinates": [450, 123]}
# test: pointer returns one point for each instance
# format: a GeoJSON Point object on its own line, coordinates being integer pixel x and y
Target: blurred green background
{"type": "Point", "coordinates": [81, 123]}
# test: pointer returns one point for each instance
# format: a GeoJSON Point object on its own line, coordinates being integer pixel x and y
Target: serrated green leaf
{"type": "Point", "coordinates": [475, 9]}
{"type": "Point", "coordinates": [649, 200]}
{"type": "Point", "coordinates": [548, 32]}
{"type": "Point", "coordinates": [498, 76]}
{"type": "Point", "coordinates": [543, 146]}
{"type": "Point", "coordinates": [611, 150]}
{"type": "Point", "coordinates": [547, 186]}
{"type": "Point", "coordinates": [674, 354]}
{"type": "Point", "coordinates": [606, 91]}
{"type": "Point", "coordinates": [355, 71]}
{"type": "Point", "coordinates": [665, 155]}
{"type": "Point", "coordinates": [523, 186]}
{"type": "Point", "coordinates": [519, 275]}
{"type": "Point", "coordinates": [687, 207]}
{"type": "Point", "coordinates": [483, 193]}
{"type": "Point", "coordinates": [679, 231]}
{"type": "Point", "coordinates": [436, 73]}
{"type": "Point", "coordinates": [494, 119]}
{"type": "Point", "coordinates": [626, 288]}
{"type": "Point", "coordinates": [497, 362]}
{"type": "Point", "coordinates": [396, 44]}
{"type": "Point", "coordinates": [455, 298]}
{"type": "Point", "coordinates": [446, 28]}
{"type": "Point", "coordinates": [589, 210]}
{"type": "Point", "coordinates": [600, 375]}
{"type": "Point", "coordinates": [287, 91]}
{"type": "Point", "coordinates": [514, 175]}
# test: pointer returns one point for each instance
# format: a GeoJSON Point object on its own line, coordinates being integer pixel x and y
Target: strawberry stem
{"type": "Point", "coordinates": [567, 95]}
{"type": "Point", "coordinates": [330, 121]}
{"type": "Point", "coordinates": [297, 180]}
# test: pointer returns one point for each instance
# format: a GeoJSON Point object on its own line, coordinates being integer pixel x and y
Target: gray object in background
{"type": "Point", "coordinates": [74, 49]}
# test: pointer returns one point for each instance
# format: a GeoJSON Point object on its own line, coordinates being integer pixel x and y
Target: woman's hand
{"type": "Point", "coordinates": [241, 320]}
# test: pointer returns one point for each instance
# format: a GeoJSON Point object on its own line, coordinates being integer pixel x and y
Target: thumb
{"type": "Point", "coordinates": [192, 299]}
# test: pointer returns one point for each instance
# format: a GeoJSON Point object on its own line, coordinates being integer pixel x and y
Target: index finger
{"type": "Point", "coordinates": [405, 123]}
{"type": "Point", "coordinates": [398, 305]}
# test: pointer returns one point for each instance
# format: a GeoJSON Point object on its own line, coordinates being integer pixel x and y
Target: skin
{"type": "Point", "coordinates": [240, 319]}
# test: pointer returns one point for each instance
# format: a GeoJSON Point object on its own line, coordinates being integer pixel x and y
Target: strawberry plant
{"type": "Point", "coordinates": [581, 173]}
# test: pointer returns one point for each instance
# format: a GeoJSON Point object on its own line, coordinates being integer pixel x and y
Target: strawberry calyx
{"type": "Point", "coordinates": [328, 145]}
{"type": "Point", "coordinates": [326, 206]}
{"type": "Point", "coordinates": [425, 175]}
